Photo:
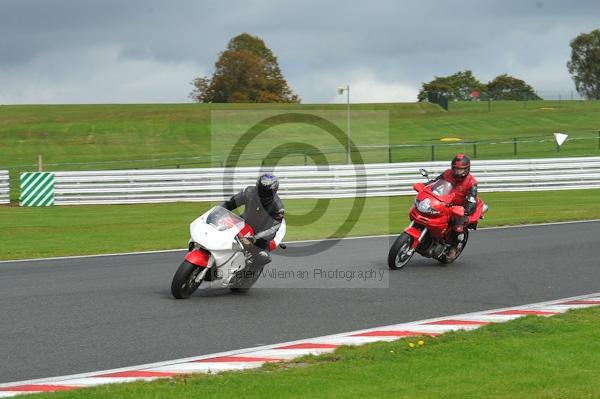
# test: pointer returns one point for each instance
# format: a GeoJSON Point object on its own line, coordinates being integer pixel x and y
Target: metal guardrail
{"type": "Point", "coordinates": [4, 187]}
{"type": "Point", "coordinates": [335, 181]}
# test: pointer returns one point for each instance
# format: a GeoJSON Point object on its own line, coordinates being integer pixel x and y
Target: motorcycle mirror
{"type": "Point", "coordinates": [424, 173]}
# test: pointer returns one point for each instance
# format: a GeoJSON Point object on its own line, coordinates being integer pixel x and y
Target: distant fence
{"type": "Point", "coordinates": [335, 181]}
{"type": "Point", "coordinates": [578, 144]}
{"type": "Point", "coordinates": [524, 96]}
{"type": "Point", "coordinates": [4, 187]}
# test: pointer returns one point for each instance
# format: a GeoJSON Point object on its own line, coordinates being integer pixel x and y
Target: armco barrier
{"type": "Point", "coordinates": [335, 181]}
{"type": "Point", "coordinates": [4, 187]}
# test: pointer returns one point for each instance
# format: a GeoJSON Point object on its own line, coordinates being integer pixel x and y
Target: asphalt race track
{"type": "Point", "coordinates": [71, 316]}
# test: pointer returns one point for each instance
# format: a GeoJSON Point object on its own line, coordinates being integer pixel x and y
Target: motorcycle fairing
{"type": "Point", "coordinates": [198, 257]}
{"type": "Point", "coordinates": [415, 234]}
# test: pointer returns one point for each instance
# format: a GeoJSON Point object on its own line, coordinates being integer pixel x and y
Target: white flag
{"type": "Point", "coordinates": [560, 138]}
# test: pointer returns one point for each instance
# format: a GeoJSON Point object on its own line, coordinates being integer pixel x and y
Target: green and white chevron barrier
{"type": "Point", "coordinates": [37, 189]}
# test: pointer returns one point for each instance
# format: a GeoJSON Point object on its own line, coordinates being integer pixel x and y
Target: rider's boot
{"type": "Point", "coordinates": [453, 250]}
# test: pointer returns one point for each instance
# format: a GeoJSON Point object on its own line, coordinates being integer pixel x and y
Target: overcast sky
{"type": "Point", "coordinates": [148, 51]}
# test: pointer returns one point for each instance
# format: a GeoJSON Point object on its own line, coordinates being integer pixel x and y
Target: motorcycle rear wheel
{"type": "Point", "coordinates": [398, 256]}
{"type": "Point", "coordinates": [242, 284]}
{"type": "Point", "coordinates": [184, 281]}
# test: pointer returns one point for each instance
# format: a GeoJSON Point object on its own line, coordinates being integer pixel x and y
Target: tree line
{"type": "Point", "coordinates": [463, 86]}
{"type": "Point", "coordinates": [584, 67]}
{"type": "Point", "coordinates": [248, 71]}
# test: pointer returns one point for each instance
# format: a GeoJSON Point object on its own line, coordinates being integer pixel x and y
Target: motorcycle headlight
{"type": "Point", "coordinates": [425, 207]}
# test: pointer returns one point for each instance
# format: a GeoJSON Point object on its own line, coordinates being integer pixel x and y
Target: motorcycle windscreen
{"type": "Point", "coordinates": [216, 229]}
{"type": "Point", "coordinates": [223, 219]}
{"type": "Point", "coordinates": [441, 189]}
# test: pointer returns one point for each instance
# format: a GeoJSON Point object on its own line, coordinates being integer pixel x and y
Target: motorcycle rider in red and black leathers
{"type": "Point", "coordinates": [465, 189]}
{"type": "Point", "coordinates": [263, 212]}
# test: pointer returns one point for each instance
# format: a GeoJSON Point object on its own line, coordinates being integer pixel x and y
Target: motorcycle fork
{"type": "Point", "coordinates": [200, 276]}
{"type": "Point", "coordinates": [416, 234]}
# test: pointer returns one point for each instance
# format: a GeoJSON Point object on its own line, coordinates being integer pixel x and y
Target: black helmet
{"type": "Point", "coordinates": [461, 166]}
{"type": "Point", "coordinates": [267, 185]}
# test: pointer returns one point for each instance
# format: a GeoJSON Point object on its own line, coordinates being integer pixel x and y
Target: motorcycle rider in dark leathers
{"type": "Point", "coordinates": [264, 212]}
{"type": "Point", "coordinates": [465, 189]}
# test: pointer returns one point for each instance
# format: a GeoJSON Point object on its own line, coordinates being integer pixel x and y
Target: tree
{"type": "Point", "coordinates": [201, 92]}
{"type": "Point", "coordinates": [506, 87]}
{"type": "Point", "coordinates": [455, 87]}
{"type": "Point", "coordinates": [584, 65]}
{"type": "Point", "coordinates": [247, 71]}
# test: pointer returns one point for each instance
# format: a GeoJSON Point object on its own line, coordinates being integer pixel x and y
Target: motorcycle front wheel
{"type": "Point", "coordinates": [184, 281]}
{"type": "Point", "coordinates": [398, 256]}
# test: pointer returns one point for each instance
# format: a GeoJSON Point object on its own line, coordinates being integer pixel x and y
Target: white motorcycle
{"type": "Point", "coordinates": [218, 253]}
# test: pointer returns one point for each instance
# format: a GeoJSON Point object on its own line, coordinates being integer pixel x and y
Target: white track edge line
{"type": "Point", "coordinates": [287, 242]}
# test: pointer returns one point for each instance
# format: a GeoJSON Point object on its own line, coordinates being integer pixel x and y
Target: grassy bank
{"type": "Point", "coordinates": [532, 357]}
{"type": "Point", "coordinates": [80, 230]}
{"type": "Point", "coordinates": [155, 135]}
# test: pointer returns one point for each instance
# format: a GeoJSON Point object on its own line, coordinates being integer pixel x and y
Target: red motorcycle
{"type": "Point", "coordinates": [429, 230]}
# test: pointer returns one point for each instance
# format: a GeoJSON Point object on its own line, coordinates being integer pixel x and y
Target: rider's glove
{"type": "Point", "coordinates": [248, 241]}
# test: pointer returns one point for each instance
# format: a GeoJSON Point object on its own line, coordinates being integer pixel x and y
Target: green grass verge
{"type": "Point", "coordinates": [81, 230]}
{"type": "Point", "coordinates": [532, 357]}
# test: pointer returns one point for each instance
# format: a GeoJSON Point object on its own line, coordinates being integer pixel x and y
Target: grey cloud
{"type": "Point", "coordinates": [401, 42]}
